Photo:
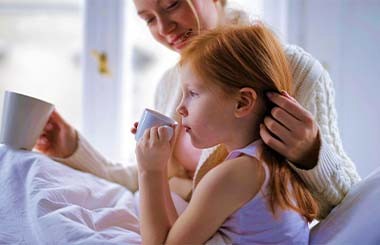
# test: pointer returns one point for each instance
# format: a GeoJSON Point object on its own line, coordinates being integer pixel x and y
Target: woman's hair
{"type": "Point", "coordinates": [223, 4]}
{"type": "Point", "coordinates": [195, 14]}
{"type": "Point", "coordinates": [238, 56]}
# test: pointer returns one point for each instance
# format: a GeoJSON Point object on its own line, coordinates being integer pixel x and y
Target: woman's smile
{"type": "Point", "coordinates": [180, 41]}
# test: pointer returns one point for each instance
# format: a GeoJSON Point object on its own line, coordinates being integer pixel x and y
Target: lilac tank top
{"type": "Point", "coordinates": [254, 223]}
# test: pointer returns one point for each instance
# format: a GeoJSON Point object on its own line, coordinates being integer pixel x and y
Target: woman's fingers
{"type": "Point", "coordinates": [270, 140]}
{"type": "Point", "coordinates": [49, 126]}
{"type": "Point", "coordinates": [290, 105]}
{"type": "Point", "coordinates": [292, 126]}
{"type": "Point", "coordinates": [284, 118]}
{"type": "Point", "coordinates": [55, 117]}
{"type": "Point", "coordinates": [42, 144]}
{"type": "Point", "coordinates": [134, 128]}
{"type": "Point", "coordinates": [277, 129]}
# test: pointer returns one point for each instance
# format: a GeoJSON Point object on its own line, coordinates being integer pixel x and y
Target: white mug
{"type": "Point", "coordinates": [151, 118]}
{"type": "Point", "coordinates": [23, 120]}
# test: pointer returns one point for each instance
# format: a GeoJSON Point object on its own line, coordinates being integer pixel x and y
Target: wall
{"type": "Point", "coordinates": [344, 35]}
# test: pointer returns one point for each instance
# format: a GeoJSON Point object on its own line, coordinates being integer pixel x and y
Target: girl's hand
{"type": "Point", "coordinates": [58, 138]}
{"type": "Point", "coordinates": [134, 128]}
{"type": "Point", "coordinates": [154, 149]}
{"type": "Point", "coordinates": [291, 131]}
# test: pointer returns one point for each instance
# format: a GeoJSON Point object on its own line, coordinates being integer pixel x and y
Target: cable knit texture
{"type": "Point", "coordinates": [329, 180]}
{"type": "Point", "coordinates": [87, 159]}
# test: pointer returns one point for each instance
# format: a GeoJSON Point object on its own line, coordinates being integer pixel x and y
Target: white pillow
{"type": "Point", "coordinates": [356, 220]}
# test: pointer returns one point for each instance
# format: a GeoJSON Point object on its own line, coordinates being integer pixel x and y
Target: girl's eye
{"type": "Point", "coordinates": [192, 93]}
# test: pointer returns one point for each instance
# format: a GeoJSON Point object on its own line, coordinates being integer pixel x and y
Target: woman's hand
{"type": "Point", "coordinates": [291, 131]}
{"type": "Point", "coordinates": [154, 149]}
{"type": "Point", "coordinates": [134, 128]}
{"type": "Point", "coordinates": [58, 138]}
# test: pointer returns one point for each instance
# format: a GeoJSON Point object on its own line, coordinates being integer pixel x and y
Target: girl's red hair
{"type": "Point", "coordinates": [251, 56]}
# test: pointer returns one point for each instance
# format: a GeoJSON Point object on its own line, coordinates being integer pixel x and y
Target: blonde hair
{"type": "Point", "coordinates": [195, 14]}
{"type": "Point", "coordinates": [237, 56]}
{"type": "Point", "coordinates": [223, 4]}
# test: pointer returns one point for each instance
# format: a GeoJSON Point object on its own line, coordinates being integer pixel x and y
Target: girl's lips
{"type": "Point", "coordinates": [187, 128]}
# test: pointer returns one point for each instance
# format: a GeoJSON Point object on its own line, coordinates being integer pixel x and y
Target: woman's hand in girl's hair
{"type": "Point", "coordinates": [58, 138]}
{"type": "Point", "coordinates": [134, 128]}
{"type": "Point", "coordinates": [154, 149]}
{"type": "Point", "coordinates": [291, 131]}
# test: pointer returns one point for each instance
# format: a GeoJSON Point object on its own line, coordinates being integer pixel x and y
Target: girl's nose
{"type": "Point", "coordinates": [181, 110]}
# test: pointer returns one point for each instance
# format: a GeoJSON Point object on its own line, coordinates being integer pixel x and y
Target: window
{"type": "Point", "coordinates": [146, 61]}
{"type": "Point", "coordinates": [40, 47]}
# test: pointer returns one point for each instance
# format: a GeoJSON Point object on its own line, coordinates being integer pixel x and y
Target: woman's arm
{"type": "Point", "coordinates": [87, 159]}
{"type": "Point", "coordinates": [312, 142]}
{"type": "Point", "coordinates": [63, 143]}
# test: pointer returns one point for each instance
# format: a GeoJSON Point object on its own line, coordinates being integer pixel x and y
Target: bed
{"type": "Point", "coordinates": [45, 202]}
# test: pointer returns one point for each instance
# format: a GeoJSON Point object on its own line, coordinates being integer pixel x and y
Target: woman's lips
{"type": "Point", "coordinates": [180, 41]}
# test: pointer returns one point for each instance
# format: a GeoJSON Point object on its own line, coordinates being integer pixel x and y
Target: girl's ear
{"type": "Point", "coordinates": [246, 101]}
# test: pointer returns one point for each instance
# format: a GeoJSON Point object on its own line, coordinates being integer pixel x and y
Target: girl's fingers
{"type": "Point", "coordinates": [146, 135]}
{"type": "Point", "coordinates": [271, 141]}
{"type": "Point", "coordinates": [163, 133]}
{"type": "Point", "coordinates": [154, 136]}
{"type": "Point", "coordinates": [289, 105]}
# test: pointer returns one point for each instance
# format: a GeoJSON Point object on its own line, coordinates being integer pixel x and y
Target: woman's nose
{"type": "Point", "coordinates": [166, 26]}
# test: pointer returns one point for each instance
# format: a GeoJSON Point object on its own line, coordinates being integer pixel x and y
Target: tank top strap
{"type": "Point", "coordinates": [255, 150]}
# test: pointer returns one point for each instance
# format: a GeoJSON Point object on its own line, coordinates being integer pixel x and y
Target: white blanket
{"type": "Point", "coordinates": [45, 202]}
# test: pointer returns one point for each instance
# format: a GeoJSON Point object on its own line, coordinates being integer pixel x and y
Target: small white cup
{"type": "Point", "coordinates": [23, 120]}
{"type": "Point", "coordinates": [151, 118]}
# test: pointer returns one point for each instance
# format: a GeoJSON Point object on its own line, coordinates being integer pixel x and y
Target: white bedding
{"type": "Point", "coordinates": [356, 220]}
{"type": "Point", "coordinates": [44, 202]}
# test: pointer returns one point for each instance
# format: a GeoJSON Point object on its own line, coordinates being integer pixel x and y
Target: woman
{"type": "Point", "coordinates": [304, 129]}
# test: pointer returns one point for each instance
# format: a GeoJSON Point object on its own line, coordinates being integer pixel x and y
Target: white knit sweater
{"type": "Point", "coordinates": [329, 180]}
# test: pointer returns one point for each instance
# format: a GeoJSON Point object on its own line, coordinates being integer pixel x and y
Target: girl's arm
{"type": "Point", "coordinates": [221, 192]}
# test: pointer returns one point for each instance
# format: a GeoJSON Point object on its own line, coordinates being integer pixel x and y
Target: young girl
{"type": "Point", "coordinates": [307, 135]}
{"type": "Point", "coordinates": [252, 195]}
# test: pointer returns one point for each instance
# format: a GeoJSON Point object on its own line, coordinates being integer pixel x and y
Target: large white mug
{"type": "Point", "coordinates": [151, 118]}
{"type": "Point", "coordinates": [23, 120]}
